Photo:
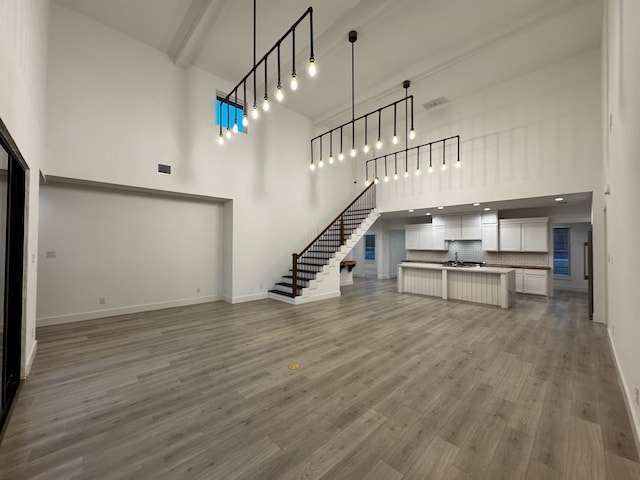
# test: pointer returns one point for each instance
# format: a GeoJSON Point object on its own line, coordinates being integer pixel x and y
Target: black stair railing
{"type": "Point", "coordinates": [311, 260]}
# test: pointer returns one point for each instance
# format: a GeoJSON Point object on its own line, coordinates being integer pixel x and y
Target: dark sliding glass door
{"type": "Point", "coordinates": [12, 203]}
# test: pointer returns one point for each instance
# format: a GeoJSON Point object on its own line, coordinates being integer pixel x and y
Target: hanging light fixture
{"type": "Point", "coordinates": [279, 91]}
{"type": "Point", "coordinates": [408, 101]}
{"type": "Point", "coordinates": [445, 142]}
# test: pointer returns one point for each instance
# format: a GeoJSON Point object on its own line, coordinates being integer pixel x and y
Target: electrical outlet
{"type": "Point", "coordinates": [261, 286]}
{"type": "Point", "coordinates": [613, 329]}
{"type": "Point", "coordinates": [102, 301]}
{"type": "Point", "coordinates": [198, 290]}
{"type": "Point", "coordinates": [51, 254]}
{"type": "Point", "coordinates": [637, 396]}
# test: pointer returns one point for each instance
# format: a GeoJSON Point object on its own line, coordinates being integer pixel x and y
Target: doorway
{"type": "Point", "coordinates": [12, 203]}
{"type": "Point", "coordinates": [370, 269]}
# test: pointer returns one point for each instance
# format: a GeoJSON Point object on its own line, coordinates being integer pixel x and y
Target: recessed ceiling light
{"type": "Point", "coordinates": [440, 208]}
{"type": "Point", "coordinates": [559, 199]}
{"type": "Point", "coordinates": [428, 213]}
{"type": "Point", "coordinates": [476, 204]}
{"type": "Point", "coordinates": [411, 210]}
{"type": "Point", "coordinates": [487, 209]}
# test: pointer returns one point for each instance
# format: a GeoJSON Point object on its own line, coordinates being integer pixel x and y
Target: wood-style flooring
{"type": "Point", "coordinates": [390, 386]}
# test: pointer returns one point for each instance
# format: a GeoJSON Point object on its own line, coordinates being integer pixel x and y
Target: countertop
{"type": "Point", "coordinates": [486, 265]}
{"type": "Point", "coordinates": [439, 266]}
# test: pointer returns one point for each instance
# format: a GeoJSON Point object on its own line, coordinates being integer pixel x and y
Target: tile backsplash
{"type": "Point", "coordinates": [471, 251]}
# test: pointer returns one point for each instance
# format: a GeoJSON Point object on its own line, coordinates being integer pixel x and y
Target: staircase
{"type": "Point", "coordinates": [315, 271]}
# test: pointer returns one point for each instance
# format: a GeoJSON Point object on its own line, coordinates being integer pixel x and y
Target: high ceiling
{"type": "Point", "coordinates": [447, 48]}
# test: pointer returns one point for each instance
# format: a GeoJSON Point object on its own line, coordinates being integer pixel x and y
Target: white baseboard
{"type": "Point", "coordinates": [29, 360]}
{"type": "Point", "coordinates": [628, 397]}
{"type": "Point", "coordinates": [346, 283]}
{"type": "Point", "coordinates": [247, 298]}
{"type": "Point", "coordinates": [111, 312]}
{"type": "Point", "coordinates": [570, 288]}
{"type": "Point", "coordinates": [315, 298]}
{"type": "Point", "coordinates": [384, 277]}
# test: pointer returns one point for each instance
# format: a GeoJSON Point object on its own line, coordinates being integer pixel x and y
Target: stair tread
{"type": "Point", "coordinates": [284, 294]}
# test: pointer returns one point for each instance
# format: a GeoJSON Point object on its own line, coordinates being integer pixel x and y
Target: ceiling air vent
{"type": "Point", "coordinates": [435, 103]}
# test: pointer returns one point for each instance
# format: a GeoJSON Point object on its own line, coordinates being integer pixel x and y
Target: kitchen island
{"type": "Point", "coordinates": [488, 285]}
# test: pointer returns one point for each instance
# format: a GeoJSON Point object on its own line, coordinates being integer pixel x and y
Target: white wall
{"type": "Point", "coordinates": [622, 174]}
{"type": "Point", "coordinates": [117, 107]}
{"type": "Point", "coordinates": [23, 58]}
{"type": "Point", "coordinates": [532, 136]}
{"type": "Point", "coordinates": [138, 251]}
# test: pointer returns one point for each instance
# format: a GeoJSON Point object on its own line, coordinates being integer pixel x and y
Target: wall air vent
{"type": "Point", "coordinates": [166, 169]}
{"type": "Point", "coordinates": [436, 102]}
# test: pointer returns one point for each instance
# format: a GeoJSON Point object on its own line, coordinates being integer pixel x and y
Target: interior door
{"type": "Point", "coordinates": [12, 191]}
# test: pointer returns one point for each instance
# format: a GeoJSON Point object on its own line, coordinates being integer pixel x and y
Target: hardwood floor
{"type": "Point", "coordinates": [390, 386]}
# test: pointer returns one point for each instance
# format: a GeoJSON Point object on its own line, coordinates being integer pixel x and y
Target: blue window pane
{"type": "Point", "coordinates": [226, 115]}
{"type": "Point", "coordinates": [561, 247]}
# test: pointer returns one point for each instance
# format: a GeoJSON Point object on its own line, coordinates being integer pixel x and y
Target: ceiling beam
{"type": "Point", "coordinates": [187, 41]}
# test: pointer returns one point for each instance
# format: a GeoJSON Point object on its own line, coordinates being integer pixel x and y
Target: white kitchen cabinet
{"type": "Point", "coordinates": [422, 237]}
{"type": "Point", "coordinates": [532, 281]}
{"type": "Point", "coordinates": [452, 227]}
{"type": "Point", "coordinates": [519, 280]}
{"type": "Point", "coordinates": [438, 221]}
{"type": "Point", "coordinates": [471, 227]}
{"type": "Point", "coordinates": [524, 235]}
{"type": "Point", "coordinates": [490, 237]}
{"type": "Point", "coordinates": [412, 237]}
{"type": "Point", "coordinates": [438, 238]}
{"type": "Point", "coordinates": [510, 237]}
{"type": "Point", "coordinates": [536, 282]}
{"type": "Point", "coordinates": [489, 217]}
{"type": "Point", "coordinates": [535, 236]}
{"type": "Point", "coordinates": [426, 237]}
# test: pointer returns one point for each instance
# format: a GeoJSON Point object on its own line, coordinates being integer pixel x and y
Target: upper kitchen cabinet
{"type": "Point", "coordinates": [490, 231]}
{"type": "Point", "coordinates": [456, 227]}
{"type": "Point", "coordinates": [524, 235]}
{"type": "Point", "coordinates": [424, 236]}
{"type": "Point", "coordinates": [471, 227]}
{"type": "Point", "coordinates": [452, 227]}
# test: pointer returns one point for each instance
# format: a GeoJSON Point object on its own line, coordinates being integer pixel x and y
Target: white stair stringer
{"type": "Point", "coordinates": [327, 282]}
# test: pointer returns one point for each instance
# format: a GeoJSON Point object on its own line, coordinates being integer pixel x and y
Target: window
{"type": "Point", "coordinates": [369, 247]}
{"type": "Point", "coordinates": [561, 249]}
{"type": "Point", "coordinates": [226, 114]}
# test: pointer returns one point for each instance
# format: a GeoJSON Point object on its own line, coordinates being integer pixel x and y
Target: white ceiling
{"type": "Point", "coordinates": [447, 48]}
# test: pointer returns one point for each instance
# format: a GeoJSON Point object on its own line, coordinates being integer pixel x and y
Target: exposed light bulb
{"type": "Point", "coordinates": [376, 180]}
{"type": "Point", "coordinates": [312, 167]}
{"type": "Point", "coordinates": [379, 144]}
{"type": "Point", "coordinates": [365, 149]}
{"type": "Point", "coordinates": [443, 167]}
{"type": "Point", "coordinates": [458, 164]}
{"type": "Point", "coordinates": [235, 127]}
{"type": "Point", "coordinates": [367, 183]}
{"type": "Point", "coordinates": [279, 93]}
{"type": "Point", "coordinates": [221, 139]}
{"type": "Point", "coordinates": [254, 112]}
{"type": "Point", "coordinates": [386, 178]}
{"type": "Point", "coordinates": [245, 120]}
{"type": "Point", "coordinates": [395, 139]}
{"type": "Point", "coordinates": [265, 104]}
{"type": "Point", "coordinates": [341, 156]}
{"type": "Point", "coordinates": [228, 134]}
{"type": "Point", "coordinates": [353, 152]}
{"type": "Point", "coordinates": [430, 169]}
{"type": "Point", "coordinates": [418, 171]}
{"type": "Point", "coordinates": [331, 160]}
{"type": "Point", "coordinates": [412, 134]}
{"type": "Point", "coordinates": [406, 174]}
{"type": "Point", "coordinates": [395, 176]}
{"type": "Point", "coordinates": [312, 67]}
{"type": "Point", "coordinates": [321, 163]}
{"type": "Point", "coordinates": [294, 82]}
